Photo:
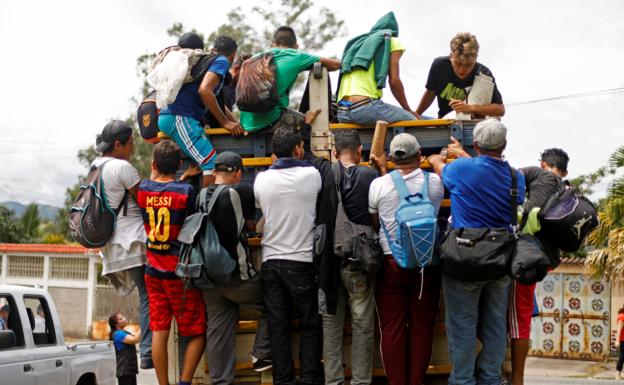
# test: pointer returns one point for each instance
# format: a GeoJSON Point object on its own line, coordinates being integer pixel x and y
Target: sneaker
{"type": "Point", "coordinates": [260, 365]}
{"type": "Point", "coordinates": [147, 363]}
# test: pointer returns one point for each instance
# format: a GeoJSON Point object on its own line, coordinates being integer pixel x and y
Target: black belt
{"type": "Point", "coordinates": [355, 105]}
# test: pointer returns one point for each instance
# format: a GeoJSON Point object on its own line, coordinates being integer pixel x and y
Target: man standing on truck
{"type": "Point", "coordinates": [183, 119]}
{"type": "Point", "coordinates": [451, 78]}
{"type": "Point", "coordinates": [407, 300]}
{"type": "Point", "coordinates": [356, 289]}
{"type": "Point", "coordinates": [476, 307]}
{"type": "Point", "coordinates": [233, 214]}
{"type": "Point", "coordinates": [367, 61]}
{"type": "Point", "coordinates": [123, 256]}
{"type": "Point", "coordinates": [289, 62]}
{"type": "Point", "coordinates": [287, 194]}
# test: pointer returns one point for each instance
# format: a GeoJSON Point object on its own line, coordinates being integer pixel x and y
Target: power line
{"type": "Point", "coordinates": [610, 91]}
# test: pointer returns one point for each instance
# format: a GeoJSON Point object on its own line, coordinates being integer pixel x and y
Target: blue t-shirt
{"type": "Point", "coordinates": [479, 190]}
{"type": "Point", "coordinates": [188, 102]}
{"type": "Point", "coordinates": [118, 337]}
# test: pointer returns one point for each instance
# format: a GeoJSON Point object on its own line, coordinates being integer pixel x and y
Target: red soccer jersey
{"type": "Point", "coordinates": [164, 207]}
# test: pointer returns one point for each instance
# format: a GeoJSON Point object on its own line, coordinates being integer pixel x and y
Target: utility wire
{"type": "Point", "coordinates": [610, 91]}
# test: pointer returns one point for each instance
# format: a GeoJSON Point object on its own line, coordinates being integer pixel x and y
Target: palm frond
{"type": "Point", "coordinates": [617, 158]}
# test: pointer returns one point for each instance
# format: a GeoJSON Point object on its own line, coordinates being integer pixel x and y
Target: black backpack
{"type": "Point", "coordinates": [147, 118]}
{"type": "Point", "coordinates": [256, 90]}
{"type": "Point", "coordinates": [91, 219]}
{"type": "Point", "coordinates": [567, 218]}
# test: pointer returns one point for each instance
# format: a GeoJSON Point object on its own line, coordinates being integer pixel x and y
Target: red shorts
{"type": "Point", "coordinates": [167, 298]}
{"type": "Point", "coordinates": [520, 310]}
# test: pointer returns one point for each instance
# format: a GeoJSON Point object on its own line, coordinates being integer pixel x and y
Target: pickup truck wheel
{"type": "Point", "coordinates": [87, 379]}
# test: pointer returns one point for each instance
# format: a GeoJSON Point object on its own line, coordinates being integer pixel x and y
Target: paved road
{"type": "Point", "coordinates": [535, 380]}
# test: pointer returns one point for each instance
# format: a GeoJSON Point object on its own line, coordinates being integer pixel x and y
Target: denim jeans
{"type": "Point", "coordinates": [476, 310]}
{"type": "Point", "coordinates": [287, 284]}
{"type": "Point", "coordinates": [369, 114]}
{"type": "Point", "coordinates": [358, 289]}
{"type": "Point", "coordinates": [145, 344]}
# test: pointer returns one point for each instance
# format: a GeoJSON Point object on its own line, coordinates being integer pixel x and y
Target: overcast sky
{"type": "Point", "coordinates": [69, 66]}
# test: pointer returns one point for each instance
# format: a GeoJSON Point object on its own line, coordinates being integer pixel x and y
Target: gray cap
{"type": "Point", "coordinates": [228, 161]}
{"type": "Point", "coordinates": [114, 130]}
{"type": "Point", "coordinates": [404, 146]}
{"type": "Point", "coordinates": [490, 134]}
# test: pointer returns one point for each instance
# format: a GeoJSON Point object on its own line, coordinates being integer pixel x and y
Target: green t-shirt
{"type": "Point", "coordinates": [288, 63]}
{"type": "Point", "coordinates": [362, 82]}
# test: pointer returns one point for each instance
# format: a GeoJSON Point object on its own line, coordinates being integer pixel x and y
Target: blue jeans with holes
{"type": "Point", "coordinates": [369, 114]}
{"type": "Point", "coordinates": [476, 310]}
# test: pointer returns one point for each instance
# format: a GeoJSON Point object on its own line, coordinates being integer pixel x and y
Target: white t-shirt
{"type": "Point", "coordinates": [383, 198]}
{"type": "Point", "coordinates": [287, 198]}
{"type": "Point", "coordinates": [118, 176]}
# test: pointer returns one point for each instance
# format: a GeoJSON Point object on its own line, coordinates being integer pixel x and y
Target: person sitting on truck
{"type": "Point", "coordinates": [407, 300]}
{"type": "Point", "coordinates": [233, 214]}
{"type": "Point", "coordinates": [287, 195]}
{"type": "Point", "coordinates": [451, 77]}
{"type": "Point", "coordinates": [356, 290]}
{"type": "Point", "coordinates": [366, 63]}
{"type": "Point", "coordinates": [481, 193]}
{"type": "Point", "coordinates": [183, 119]}
{"type": "Point", "coordinates": [123, 256]}
{"type": "Point", "coordinates": [165, 204]}
{"type": "Point", "coordinates": [125, 350]}
{"type": "Point", "coordinates": [289, 62]}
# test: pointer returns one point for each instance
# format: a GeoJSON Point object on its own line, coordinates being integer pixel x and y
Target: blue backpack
{"type": "Point", "coordinates": [416, 225]}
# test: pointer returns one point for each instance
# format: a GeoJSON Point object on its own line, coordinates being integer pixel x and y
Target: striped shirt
{"type": "Point", "coordinates": [164, 206]}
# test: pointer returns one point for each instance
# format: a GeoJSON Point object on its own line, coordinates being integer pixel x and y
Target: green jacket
{"type": "Point", "coordinates": [370, 47]}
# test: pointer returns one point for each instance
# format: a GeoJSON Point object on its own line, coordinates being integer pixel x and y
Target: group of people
{"type": "Point", "coordinates": [298, 198]}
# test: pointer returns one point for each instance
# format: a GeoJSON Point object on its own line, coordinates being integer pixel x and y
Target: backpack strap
{"type": "Point", "coordinates": [400, 185]}
{"type": "Point", "coordinates": [513, 197]}
{"type": "Point", "coordinates": [336, 169]}
{"type": "Point", "coordinates": [124, 200]}
{"type": "Point", "coordinates": [206, 207]}
{"type": "Point", "coordinates": [425, 187]}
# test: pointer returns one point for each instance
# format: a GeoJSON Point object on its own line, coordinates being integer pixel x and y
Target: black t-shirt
{"type": "Point", "coordinates": [540, 186]}
{"type": "Point", "coordinates": [234, 205]}
{"type": "Point", "coordinates": [443, 81]}
{"type": "Point", "coordinates": [354, 187]}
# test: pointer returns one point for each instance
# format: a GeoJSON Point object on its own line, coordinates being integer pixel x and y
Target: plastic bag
{"type": "Point", "coordinates": [167, 78]}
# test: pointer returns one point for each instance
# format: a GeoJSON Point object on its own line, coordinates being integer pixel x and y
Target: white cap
{"type": "Point", "coordinates": [490, 134]}
{"type": "Point", "coordinates": [404, 146]}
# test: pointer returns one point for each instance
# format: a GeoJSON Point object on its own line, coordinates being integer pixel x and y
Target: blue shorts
{"type": "Point", "coordinates": [189, 134]}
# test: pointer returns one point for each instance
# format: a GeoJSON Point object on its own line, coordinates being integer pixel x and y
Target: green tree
{"type": "Point", "coordinates": [10, 228]}
{"type": "Point", "coordinates": [607, 259]}
{"type": "Point", "coordinates": [29, 223]}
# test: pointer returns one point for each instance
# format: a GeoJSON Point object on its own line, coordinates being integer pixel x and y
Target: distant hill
{"type": "Point", "coordinates": [46, 212]}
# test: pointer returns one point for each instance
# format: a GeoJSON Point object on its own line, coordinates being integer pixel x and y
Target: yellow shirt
{"type": "Point", "coordinates": [362, 82]}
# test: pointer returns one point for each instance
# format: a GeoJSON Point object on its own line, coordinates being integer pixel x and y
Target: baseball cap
{"type": "Point", "coordinates": [404, 146]}
{"type": "Point", "coordinates": [490, 134]}
{"type": "Point", "coordinates": [191, 40]}
{"type": "Point", "coordinates": [114, 130]}
{"type": "Point", "coordinates": [228, 161]}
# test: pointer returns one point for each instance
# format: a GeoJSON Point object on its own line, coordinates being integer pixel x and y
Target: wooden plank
{"type": "Point", "coordinates": [318, 94]}
{"type": "Point", "coordinates": [266, 161]}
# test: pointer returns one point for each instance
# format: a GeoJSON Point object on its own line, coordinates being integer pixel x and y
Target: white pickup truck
{"type": "Point", "coordinates": [32, 348]}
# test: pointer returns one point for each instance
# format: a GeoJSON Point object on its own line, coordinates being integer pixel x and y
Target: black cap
{"type": "Point", "coordinates": [228, 161]}
{"type": "Point", "coordinates": [114, 130]}
{"type": "Point", "coordinates": [5, 309]}
{"type": "Point", "coordinates": [191, 40]}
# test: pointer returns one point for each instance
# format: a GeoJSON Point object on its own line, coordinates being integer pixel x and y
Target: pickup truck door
{"type": "Point", "coordinates": [16, 366]}
{"type": "Point", "coordinates": [50, 358]}
{"type": "Point", "coordinates": [51, 365]}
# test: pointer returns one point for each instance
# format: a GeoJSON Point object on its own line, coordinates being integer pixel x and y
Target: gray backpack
{"type": "Point", "coordinates": [355, 244]}
{"type": "Point", "coordinates": [204, 263]}
{"type": "Point", "coordinates": [91, 219]}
